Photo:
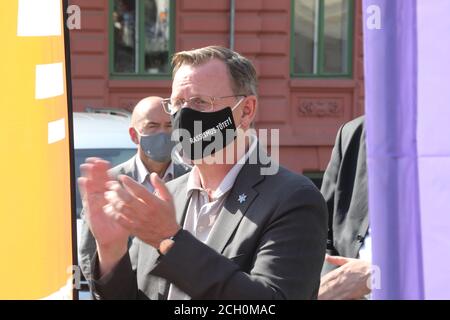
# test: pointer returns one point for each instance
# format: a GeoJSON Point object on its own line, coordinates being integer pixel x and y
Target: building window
{"type": "Point", "coordinates": [322, 38]}
{"type": "Point", "coordinates": [141, 37]}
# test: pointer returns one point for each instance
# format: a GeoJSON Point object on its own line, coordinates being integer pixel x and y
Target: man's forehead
{"type": "Point", "coordinates": [213, 72]}
{"type": "Point", "coordinates": [153, 120]}
{"type": "Point", "coordinates": [149, 110]}
{"type": "Point", "coordinates": [154, 112]}
{"type": "Point", "coordinates": [212, 68]}
{"type": "Point", "coordinates": [150, 119]}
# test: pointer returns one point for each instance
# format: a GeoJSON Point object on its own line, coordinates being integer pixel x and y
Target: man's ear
{"type": "Point", "coordinates": [249, 108]}
{"type": "Point", "coordinates": [133, 135]}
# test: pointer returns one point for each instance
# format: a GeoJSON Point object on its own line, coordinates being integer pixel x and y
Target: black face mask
{"type": "Point", "coordinates": [201, 134]}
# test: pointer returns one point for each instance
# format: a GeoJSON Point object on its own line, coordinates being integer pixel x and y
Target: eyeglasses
{"type": "Point", "coordinates": [198, 103]}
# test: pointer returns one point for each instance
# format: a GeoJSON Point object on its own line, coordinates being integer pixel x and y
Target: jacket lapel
{"type": "Point", "coordinates": [236, 205]}
{"type": "Point", "coordinates": [159, 287]}
{"type": "Point", "coordinates": [179, 170]}
{"type": "Point", "coordinates": [129, 168]}
{"type": "Point", "coordinates": [181, 202]}
{"type": "Point", "coordinates": [180, 199]}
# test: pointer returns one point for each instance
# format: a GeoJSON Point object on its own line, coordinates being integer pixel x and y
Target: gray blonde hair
{"type": "Point", "coordinates": [241, 69]}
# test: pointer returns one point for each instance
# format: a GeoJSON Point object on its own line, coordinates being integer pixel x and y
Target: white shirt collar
{"type": "Point", "coordinates": [194, 182]}
{"type": "Point", "coordinates": [142, 171]}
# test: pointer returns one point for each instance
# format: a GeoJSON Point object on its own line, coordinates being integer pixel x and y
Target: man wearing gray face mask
{"type": "Point", "coordinates": [150, 129]}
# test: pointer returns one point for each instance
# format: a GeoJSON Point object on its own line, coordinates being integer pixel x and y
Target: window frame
{"type": "Point", "coordinates": [141, 74]}
{"type": "Point", "coordinates": [321, 52]}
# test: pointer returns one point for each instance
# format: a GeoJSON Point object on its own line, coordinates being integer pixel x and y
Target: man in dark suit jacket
{"type": "Point", "coordinates": [344, 188]}
{"type": "Point", "coordinates": [149, 117]}
{"type": "Point", "coordinates": [265, 231]}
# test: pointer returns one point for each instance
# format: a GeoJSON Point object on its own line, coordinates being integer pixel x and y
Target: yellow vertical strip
{"type": "Point", "coordinates": [35, 214]}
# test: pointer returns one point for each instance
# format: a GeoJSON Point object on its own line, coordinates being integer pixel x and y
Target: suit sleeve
{"type": "Point", "coordinates": [329, 184]}
{"type": "Point", "coordinates": [121, 282]}
{"type": "Point", "coordinates": [286, 264]}
{"type": "Point", "coordinates": [87, 248]}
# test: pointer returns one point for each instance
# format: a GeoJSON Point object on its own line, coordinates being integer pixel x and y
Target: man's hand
{"type": "Point", "coordinates": [150, 217]}
{"type": "Point", "coordinates": [347, 282]}
{"type": "Point", "coordinates": [111, 237]}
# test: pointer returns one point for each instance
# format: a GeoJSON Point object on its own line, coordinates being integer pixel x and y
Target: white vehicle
{"type": "Point", "coordinates": [102, 134]}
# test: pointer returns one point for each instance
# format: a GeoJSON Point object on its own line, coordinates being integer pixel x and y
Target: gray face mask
{"type": "Point", "coordinates": [157, 147]}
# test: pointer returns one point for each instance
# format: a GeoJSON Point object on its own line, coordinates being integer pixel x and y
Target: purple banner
{"type": "Point", "coordinates": [407, 47]}
{"type": "Point", "coordinates": [433, 143]}
{"type": "Point", "coordinates": [390, 50]}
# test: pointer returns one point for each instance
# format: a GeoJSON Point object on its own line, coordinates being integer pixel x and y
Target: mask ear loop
{"type": "Point", "coordinates": [236, 105]}
{"type": "Point", "coordinates": [139, 133]}
{"type": "Point", "coordinates": [139, 136]}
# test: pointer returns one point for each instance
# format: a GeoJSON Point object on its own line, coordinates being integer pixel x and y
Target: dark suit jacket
{"type": "Point", "coordinates": [271, 246]}
{"type": "Point", "coordinates": [345, 191]}
{"type": "Point", "coordinates": [87, 241]}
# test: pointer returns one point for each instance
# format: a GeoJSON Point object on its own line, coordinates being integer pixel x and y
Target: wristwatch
{"type": "Point", "coordinates": [166, 244]}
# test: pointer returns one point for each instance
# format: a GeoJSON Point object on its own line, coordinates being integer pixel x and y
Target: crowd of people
{"type": "Point", "coordinates": [180, 220]}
